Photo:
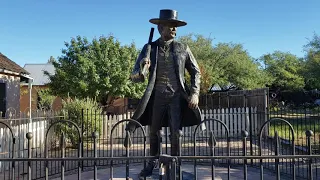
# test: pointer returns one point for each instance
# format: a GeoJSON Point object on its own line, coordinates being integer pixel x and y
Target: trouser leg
{"type": "Point", "coordinates": [175, 123]}
{"type": "Point", "coordinates": [163, 103]}
{"type": "Point", "coordinates": [160, 108]}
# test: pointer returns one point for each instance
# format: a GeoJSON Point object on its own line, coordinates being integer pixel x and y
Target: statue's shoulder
{"type": "Point", "coordinates": [153, 43]}
{"type": "Point", "coordinates": [180, 46]}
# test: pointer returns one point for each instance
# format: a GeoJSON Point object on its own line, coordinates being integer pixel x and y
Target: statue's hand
{"type": "Point", "coordinates": [145, 62]}
{"type": "Point", "coordinates": [127, 140]}
{"type": "Point", "coordinates": [130, 129]}
{"type": "Point", "coordinates": [193, 101]}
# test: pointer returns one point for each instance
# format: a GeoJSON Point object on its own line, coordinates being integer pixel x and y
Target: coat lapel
{"type": "Point", "coordinates": [154, 58]}
{"type": "Point", "coordinates": [176, 51]}
{"type": "Point", "coordinates": [175, 54]}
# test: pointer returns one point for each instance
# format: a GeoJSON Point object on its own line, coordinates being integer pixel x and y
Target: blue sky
{"type": "Point", "coordinates": [33, 30]}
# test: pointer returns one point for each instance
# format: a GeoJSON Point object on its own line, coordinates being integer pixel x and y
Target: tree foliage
{"type": "Point", "coordinates": [225, 64]}
{"type": "Point", "coordinates": [313, 45]}
{"type": "Point", "coordinates": [312, 63]}
{"type": "Point", "coordinates": [285, 69]}
{"type": "Point", "coordinates": [51, 59]}
{"type": "Point", "coordinates": [46, 99]}
{"type": "Point", "coordinates": [99, 69]}
{"type": "Point", "coordinates": [82, 112]}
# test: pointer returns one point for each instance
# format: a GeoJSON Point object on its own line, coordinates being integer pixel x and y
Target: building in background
{"type": "Point", "coordinates": [11, 77]}
{"type": "Point", "coordinates": [39, 83]}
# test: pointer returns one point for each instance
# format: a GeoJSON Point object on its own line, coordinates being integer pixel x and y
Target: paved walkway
{"type": "Point", "coordinates": [204, 173]}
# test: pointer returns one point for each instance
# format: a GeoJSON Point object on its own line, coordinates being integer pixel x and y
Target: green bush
{"type": "Point", "coordinates": [46, 99]}
{"type": "Point", "coordinates": [86, 113]}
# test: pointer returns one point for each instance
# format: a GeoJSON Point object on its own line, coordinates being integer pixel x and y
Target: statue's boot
{"type": "Point", "coordinates": [148, 170]}
{"type": "Point", "coordinates": [154, 146]}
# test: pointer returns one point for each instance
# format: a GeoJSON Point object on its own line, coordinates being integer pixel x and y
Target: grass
{"type": "Point", "coordinates": [301, 121]}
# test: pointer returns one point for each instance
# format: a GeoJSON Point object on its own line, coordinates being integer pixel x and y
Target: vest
{"type": "Point", "coordinates": [166, 78]}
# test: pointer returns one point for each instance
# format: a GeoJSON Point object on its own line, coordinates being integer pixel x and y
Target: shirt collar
{"type": "Point", "coordinates": [164, 43]}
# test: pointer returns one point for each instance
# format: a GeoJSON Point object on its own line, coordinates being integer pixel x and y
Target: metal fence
{"type": "Point", "coordinates": [235, 99]}
{"type": "Point", "coordinates": [236, 120]}
{"type": "Point", "coordinates": [172, 166]}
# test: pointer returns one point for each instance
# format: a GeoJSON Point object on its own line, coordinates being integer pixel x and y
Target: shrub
{"type": "Point", "coordinates": [86, 113]}
{"type": "Point", "coordinates": [46, 99]}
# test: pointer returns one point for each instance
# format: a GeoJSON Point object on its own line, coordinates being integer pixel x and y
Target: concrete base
{"type": "Point", "coordinates": [155, 175]}
{"type": "Point", "coordinates": [204, 173]}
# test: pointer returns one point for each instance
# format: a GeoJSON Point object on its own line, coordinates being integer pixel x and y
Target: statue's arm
{"type": "Point", "coordinates": [194, 71]}
{"type": "Point", "coordinates": [136, 75]}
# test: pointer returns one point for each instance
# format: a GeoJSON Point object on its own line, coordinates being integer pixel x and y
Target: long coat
{"type": "Point", "coordinates": [183, 59]}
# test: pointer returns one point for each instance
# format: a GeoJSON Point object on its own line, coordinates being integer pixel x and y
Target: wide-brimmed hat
{"type": "Point", "coordinates": [168, 16]}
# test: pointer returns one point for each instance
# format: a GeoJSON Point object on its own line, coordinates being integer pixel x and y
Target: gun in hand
{"type": "Point", "coordinates": [145, 62]}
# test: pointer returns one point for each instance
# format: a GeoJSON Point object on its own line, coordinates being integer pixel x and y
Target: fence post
{"type": "Point", "coordinates": [266, 112]}
{"type": "Point", "coordinates": [228, 99]}
{"type": "Point", "coordinates": [82, 130]}
{"type": "Point", "coordinates": [63, 147]}
{"type": "Point", "coordinates": [212, 143]}
{"type": "Point", "coordinates": [277, 152]}
{"type": "Point", "coordinates": [79, 156]}
{"type": "Point", "coordinates": [174, 168]}
{"type": "Point", "coordinates": [13, 155]}
{"type": "Point", "coordinates": [29, 137]}
{"type": "Point", "coordinates": [309, 133]}
{"type": "Point", "coordinates": [251, 134]}
{"type": "Point", "coordinates": [179, 153]}
{"type": "Point", "coordinates": [127, 145]}
{"type": "Point", "coordinates": [95, 136]}
{"type": "Point", "coordinates": [244, 149]}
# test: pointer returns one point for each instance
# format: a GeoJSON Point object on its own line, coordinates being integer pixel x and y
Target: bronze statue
{"type": "Point", "coordinates": [167, 101]}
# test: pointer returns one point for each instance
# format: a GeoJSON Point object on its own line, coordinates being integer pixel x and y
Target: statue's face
{"type": "Point", "coordinates": [167, 31]}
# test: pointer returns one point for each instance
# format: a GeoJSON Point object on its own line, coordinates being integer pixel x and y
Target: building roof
{"type": "Point", "coordinates": [37, 72]}
{"type": "Point", "coordinates": [221, 88]}
{"type": "Point", "coordinates": [9, 65]}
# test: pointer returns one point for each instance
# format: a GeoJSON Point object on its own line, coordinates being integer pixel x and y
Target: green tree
{"type": "Point", "coordinates": [51, 59]}
{"type": "Point", "coordinates": [224, 64]}
{"type": "Point", "coordinates": [99, 70]}
{"type": "Point", "coordinates": [286, 70]}
{"type": "Point", "coordinates": [312, 63]}
{"type": "Point", "coordinates": [313, 45]}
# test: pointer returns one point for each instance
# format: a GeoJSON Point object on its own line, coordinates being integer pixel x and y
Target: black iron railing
{"type": "Point", "coordinates": [172, 165]}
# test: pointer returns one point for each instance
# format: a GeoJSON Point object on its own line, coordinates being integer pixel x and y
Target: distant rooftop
{"type": "Point", "coordinates": [37, 72]}
{"type": "Point", "coordinates": [9, 65]}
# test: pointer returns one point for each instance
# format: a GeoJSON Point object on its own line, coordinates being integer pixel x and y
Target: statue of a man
{"type": "Point", "coordinates": [167, 101]}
